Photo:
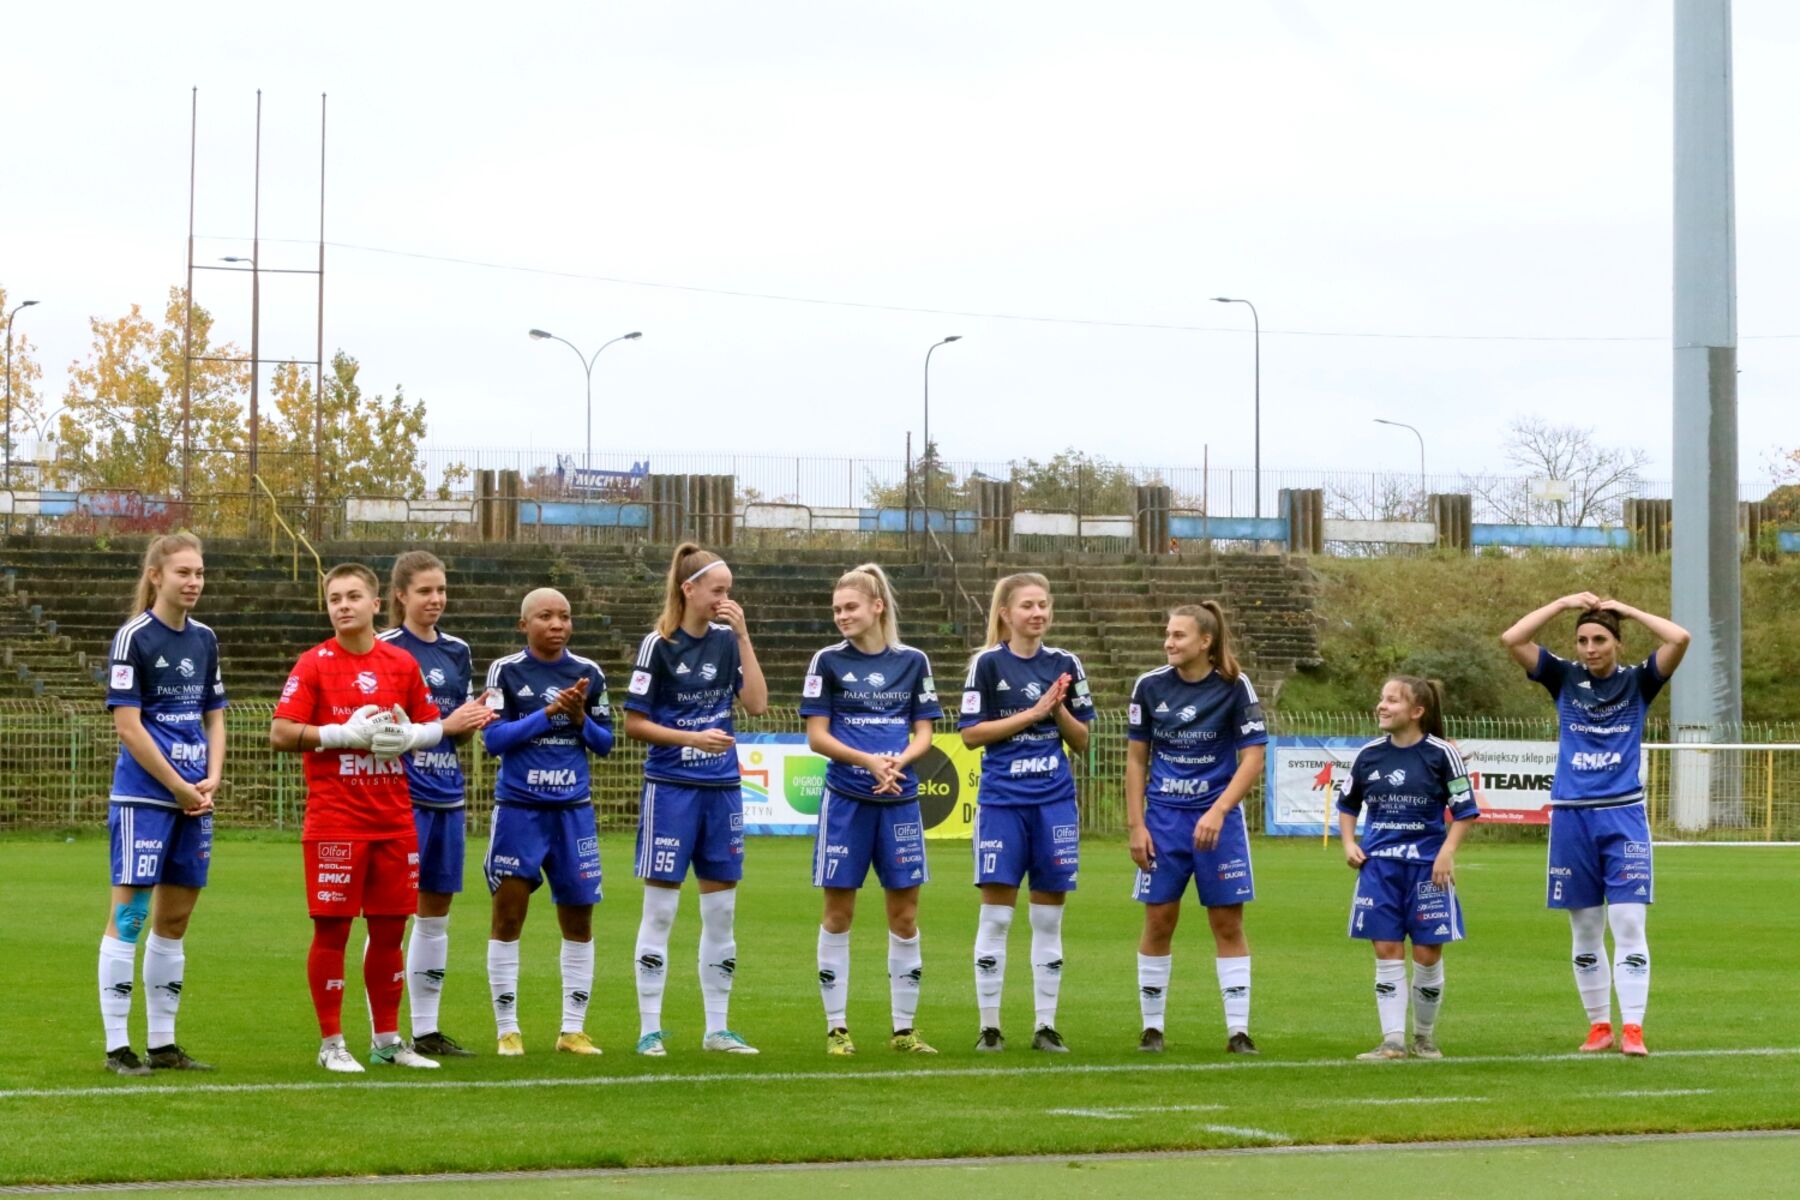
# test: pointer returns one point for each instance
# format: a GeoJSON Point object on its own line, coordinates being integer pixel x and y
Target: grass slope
{"type": "Point", "coordinates": [1725, 938]}
{"type": "Point", "coordinates": [1442, 615]}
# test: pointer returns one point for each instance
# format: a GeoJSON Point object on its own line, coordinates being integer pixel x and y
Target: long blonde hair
{"type": "Point", "coordinates": [156, 553]}
{"type": "Point", "coordinates": [1004, 590]}
{"type": "Point", "coordinates": [872, 582]}
{"type": "Point", "coordinates": [408, 565]}
{"type": "Point", "coordinates": [1210, 619]}
{"type": "Point", "coordinates": [688, 558]}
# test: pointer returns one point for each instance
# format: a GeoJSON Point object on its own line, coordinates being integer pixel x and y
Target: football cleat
{"type": "Point", "coordinates": [991, 1041]}
{"type": "Point", "coordinates": [173, 1058]}
{"type": "Point", "coordinates": [1151, 1042]}
{"type": "Point", "coordinates": [1424, 1046]}
{"type": "Point", "coordinates": [441, 1045]}
{"type": "Point", "coordinates": [727, 1042]}
{"type": "Point", "coordinates": [838, 1043]}
{"type": "Point", "coordinates": [1599, 1037]}
{"type": "Point", "coordinates": [1240, 1043]}
{"type": "Point", "coordinates": [399, 1054]}
{"type": "Point", "coordinates": [907, 1041]}
{"type": "Point", "coordinates": [335, 1056]}
{"type": "Point", "coordinates": [1391, 1050]}
{"type": "Point", "coordinates": [512, 1045]}
{"type": "Point", "coordinates": [124, 1062]}
{"type": "Point", "coordinates": [651, 1045]}
{"type": "Point", "coordinates": [1632, 1041]}
{"type": "Point", "coordinates": [577, 1042]}
{"type": "Point", "coordinates": [1047, 1039]}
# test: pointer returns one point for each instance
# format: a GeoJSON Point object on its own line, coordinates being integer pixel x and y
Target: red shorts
{"type": "Point", "coordinates": [376, 879]}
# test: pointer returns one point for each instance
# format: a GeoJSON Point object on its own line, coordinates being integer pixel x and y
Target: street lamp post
{"type": "Point", "coordinates": [1417, 434]}
{"type": "Point", "coordinates": [9, 406]}
{"type": "Point", "coordinates": [1256, 325]}
{"type": "Point", "coordinates": [925, 451]}
{"type": "Point", "coordinates": [587, 365]}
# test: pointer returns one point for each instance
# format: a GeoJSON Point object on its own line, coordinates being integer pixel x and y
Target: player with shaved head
{"type": "Point", "coordinates": [552, 711]}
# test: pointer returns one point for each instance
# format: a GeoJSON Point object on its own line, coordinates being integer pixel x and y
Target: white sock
{"type": "Point", "coordinates": [1593, 974]}
{"type": "Point", "coordinates": [834, 976]}
{"type": "Point", "coordinates": [1153, 987]}
{"type": "Point", "coordinates": [990, 960]}
{"type": "Point", "coordinates": [427, 958]}
{"type": "Point", "coordinates": [577, 983]}
{"type": "Point", "coordinates": [1390, 997]}
{"type": "Point", "coordinates": [1631, 960]}
{"type": "Point", "coordinates": [652, 955]}
{"type": "Point", "coordinates": [1234, 990]}
{"type": "Point", "coordinates": [905, 972]}
{"type": "Point", "coordinates": [718, 956]}
{"type": "Point", "coordinates": [503, 985]}
{"type": "Point", "coordinates": [164, 965]}
{"type": "Point", "coordinates": [1427, 996]}
{"type": "Point", "coordinates": [118, 960]}
{"type": "Point", "coordinates": [1046, 960]}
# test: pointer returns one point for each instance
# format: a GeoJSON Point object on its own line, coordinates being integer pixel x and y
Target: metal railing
{"type": "Point", "coordinates": [295, 537]}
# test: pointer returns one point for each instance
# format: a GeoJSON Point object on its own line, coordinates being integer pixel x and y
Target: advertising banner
{"type": "Point", "coordinates": [1512, 781]}
{"type": "Point", "coordinates": [784, 780]}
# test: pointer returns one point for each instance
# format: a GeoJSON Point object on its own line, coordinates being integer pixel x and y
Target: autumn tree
{"type": "Point", "coordinates": [371, 443]}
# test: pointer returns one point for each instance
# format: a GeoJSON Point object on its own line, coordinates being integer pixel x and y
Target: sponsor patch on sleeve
{"type": "Point", "coordinates": [640, 683]}
{"type": "Point", "coordinates": [123, 676]}
{"type": "Point", "coordinates": [1459, 786]}
{"type": "Point", "coordinates": [290, 687]}
{"type": "Point", "coordinates": [1081, 687]}
{"type": "Point", "coordinates": [814, 687]}
{"type": "Point", "coordinates": [1135, 714]}
{"type": "Point", "coordinates": [971, 702]}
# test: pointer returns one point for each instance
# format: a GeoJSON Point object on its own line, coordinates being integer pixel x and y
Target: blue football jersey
{"type": "Point", "coordinates": [1195, 731]}
{"type": "Point", "coordinates": [1600, 729]}
{"type": "Point", "coordinates": [172, 677]}
{"type": "Point", "coordinates": [687, 682]}
{"type": "Point", "coordinates": [872, 700]}
{"type": "Point", "coordinates": [1407, 790]}
{"type": "Point", "coordinates": [436, 775]}
{"type": "Point", "coordinates": [544, 759]}
{"type": "Point", "coordinates": [1029, 767]}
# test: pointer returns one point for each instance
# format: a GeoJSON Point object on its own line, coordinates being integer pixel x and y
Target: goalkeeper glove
{"type": "Point", "coordinates": [400, 736]}
{"type": "Point", "coordinates": [355, 733]}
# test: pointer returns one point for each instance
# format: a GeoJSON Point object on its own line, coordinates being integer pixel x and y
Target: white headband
{"type": "Point", "coordinates": [717, 562]}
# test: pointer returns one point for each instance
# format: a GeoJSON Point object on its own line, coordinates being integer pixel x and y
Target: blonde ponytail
{"type": "Point", "coordinates": [1004, 589]}
{"type": "Point", "coordinates": [156, 553]}
{"type": "Point", "coordinates": [872, 582]}
{"type": "Point", "coordinates": [687, 559]}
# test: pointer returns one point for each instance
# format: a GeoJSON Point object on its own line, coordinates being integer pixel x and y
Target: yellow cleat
{"type": "Point", "coordinates": [838, 1043]}
{"type": "Point", "coordinates": [512, 1045]}
{"type": "Point", "coordinates": [909, 1042]}
{"type": "Point", "coordinates": [576, 1043]}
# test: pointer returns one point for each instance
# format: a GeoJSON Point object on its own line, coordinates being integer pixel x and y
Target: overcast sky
{"type": "Point", "coordinates": [1496, 171]}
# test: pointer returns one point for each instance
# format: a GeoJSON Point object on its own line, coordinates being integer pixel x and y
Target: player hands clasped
{"type": "Point", "coordinates": [553, 712]}
{"type": "Point", "coordinates": [417, 593]}
{"type": "Point", "coordinates": [1023, 701]}
{"type": "Point", "coordinates": [168, 705]}
{"type": "Point", "coordinates": [689, 669]}
{"type": "Point", "coordinates": [352, 707]}
{"type": "Point", "coordinates": [869, 702]}
{"type": "Point", "coordinates": [1406, 864]}
{"type": "Point", "coordinates": [1600, 858]}
{"type": "Point", "coordinates": [1195, 747]}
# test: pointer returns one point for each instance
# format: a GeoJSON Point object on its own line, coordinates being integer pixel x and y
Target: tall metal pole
{"type": "Point", "coordinates": [1707, 694]}
{"type": "Point", "coordinates": [1417, 434]}
{"type": "Point", "coordinates": [187, 331]}
{"type": "Point", "coordinates": [1256, 351]}
{"type": "Point", "coordinates": [587, 365]}
{"type": "Point", "coordinates": [319, 346]}
{"type": "Point", "coordinates": [256, 301]}
{"type": "Point", "coordinates": [925, 450]}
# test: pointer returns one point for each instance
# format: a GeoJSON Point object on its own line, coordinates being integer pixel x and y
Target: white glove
{"type": "Point", "coordinates": [400, 736]}
{"type": "Point", "coordinates": [355, 733]}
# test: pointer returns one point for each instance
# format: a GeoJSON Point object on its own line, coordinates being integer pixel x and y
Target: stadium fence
{"type": "Point", "coordinates": [56, 763]}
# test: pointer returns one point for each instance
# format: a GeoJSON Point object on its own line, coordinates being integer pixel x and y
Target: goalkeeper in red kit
{"type": "Point", "coordinates": [353, 707]}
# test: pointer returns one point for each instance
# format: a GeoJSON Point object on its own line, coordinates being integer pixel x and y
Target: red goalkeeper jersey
{"type": "Point", "coordinates": [351, 795]}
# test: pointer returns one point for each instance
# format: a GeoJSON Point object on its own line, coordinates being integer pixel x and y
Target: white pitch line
{"type": "Point", "coordinates": [1257, 1135]}
{"type": "Point", "coordinates": [1663, 1092]}
{"type": "Point", "coordinates": [126, 1091]}
{"type": "Point", "coordinates": [1127, 1112]}
{"type": "Point", "coordinates": [1360, 1101]}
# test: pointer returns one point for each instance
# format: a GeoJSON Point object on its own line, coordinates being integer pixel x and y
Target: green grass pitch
{"type": "Point", "coordinates": [1725, 937]}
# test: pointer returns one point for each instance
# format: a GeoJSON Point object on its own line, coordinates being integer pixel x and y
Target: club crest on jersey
{"type": "Point", "coordinates": [1188, 713]}
{"type": "Point", "coordinates": [366, 682]}
{"type": "Point", "coordinates": [1397, 776]}
{"type": "Point", "coordinates": [435, 677]}
{"type": "Point", "coordinates": [186, 667]}
{"type": "Point", "coordinates": [1033, 690]}
{"type": "Point", "coordinates": [709, 671]}
{"type": "Point", "coordinates": [876, 679]}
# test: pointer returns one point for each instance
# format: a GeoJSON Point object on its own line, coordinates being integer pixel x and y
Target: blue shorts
{"type": "Point", "coordinates": [855, 833]}
{"type": "Point", "coordinates": [1222, 875]}
{"type": "Point", "coordinates": [1042, 839]}
{"type": "Point", "coordinates": [158, 845]}
{"type": "Point", "coordinates": [1600, 855]}
{"type": "Point", "coordinates": [680, 825]}
{"type": "Point", "coordinates": [440, 848]}
{"type": "Point", "coordinates": [532, 843]}
{"type": "Point", "coordinates": [1396, 900]}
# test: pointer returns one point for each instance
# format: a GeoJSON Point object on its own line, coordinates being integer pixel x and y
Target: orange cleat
{"type": "Point", "coordinates": [1600, 1037]}
{"type": "Point", "coordinates": [1632, 1042]}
